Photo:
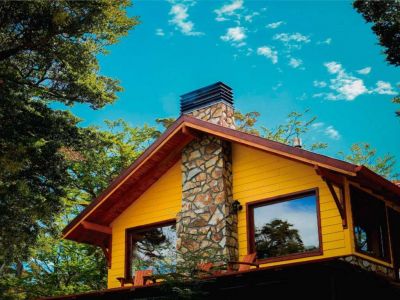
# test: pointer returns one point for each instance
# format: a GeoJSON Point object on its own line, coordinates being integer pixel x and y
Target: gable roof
{"type": "Point", "coordinates": [166, 151]}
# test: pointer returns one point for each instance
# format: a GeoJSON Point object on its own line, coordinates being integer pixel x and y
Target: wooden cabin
{"type": "Point", "coordinates": [206, 188]}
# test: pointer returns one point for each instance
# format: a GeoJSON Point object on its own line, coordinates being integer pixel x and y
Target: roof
{"type": "Point", "coordinates": [166, 151]}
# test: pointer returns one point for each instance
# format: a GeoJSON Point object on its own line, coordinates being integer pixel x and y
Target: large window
{"type": "Point", "coordinates": [284, 228]}
{"type": "Point", "coordinates": [370, 224]}
{"type": "Point", "coordinates": [151, 247]}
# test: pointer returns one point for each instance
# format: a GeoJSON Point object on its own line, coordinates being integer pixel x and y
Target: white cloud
{"type": "Point", "coordinates": [364, 71]}
{"type": "Point", "coordinates": [384, 88]}
{"type": "Point", "coordinates": [277, 86]}
{"type": "Point", "coordinates": [295, 62]}
{"type": "Point", "coordinates": [235, 35]}
{"type": "Point", "coordinates": [180, 19]}
{"type": "Point", "coordinates": [319, 84]}
{"type": "Point", "coordinates": [249, 18]}
{"type": "Point", "coordinates": [333, 67]}
{"type": "Point", "coordinates": [317, 125]}
{"type": "Point", "coordinates": [346, 86]}
{"type": "Point", "coordinates": [329, 130]}
{"type": "Point", "coordinates": [269, 53]}
{"type": "Point", "coordinates": [332, 133]}
{"type": "Point", "coordinates": [160, 32]}
{"type": "Point", "coordinates": [294, 37]}
{"type": "Point", "coordinates": [228, 10]}
{"type": "Point", "coordinates": [274, 25]}
{"type": "Point", "coordinates": [327, 41]}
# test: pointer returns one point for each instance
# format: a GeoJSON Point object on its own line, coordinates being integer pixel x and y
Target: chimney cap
{"type": "Point", "coordinates": [206, 96]}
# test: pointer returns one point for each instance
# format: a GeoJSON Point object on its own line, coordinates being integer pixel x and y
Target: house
{"type": "Point", "coordinates": [206, 186]}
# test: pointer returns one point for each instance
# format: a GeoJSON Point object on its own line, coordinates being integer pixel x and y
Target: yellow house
{"type": "Point", "coordinates": [205, 187]}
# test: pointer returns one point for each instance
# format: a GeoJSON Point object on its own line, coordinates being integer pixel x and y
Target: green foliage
{"type": "Point", "coordinates": [48, 48]}
{"type": "Point", "coordinates": [48, 52]}
{"type": "Point", "coordinates": [278, 238]}
{"type": "Point", "coordinates": [364, 154]}
{"type": "Point", "coordinates": [58, 267]}
{"type": "Point", "coordinates": [33, 174]}
{"type": "Point", "coordinates": [397, 101]}
{"type": "Point", "coordinates": [297, 125]}
{"type": "Point", "coordinates": [165, 122]}
{"type": "Point", "coordinates": [385, 16]}
{"type": "Point", "coordinates": [102, 157]}
{"type": "Point", "coordinates": [246, 122]}
{"type": "Point", "coordinates": [386, 24]}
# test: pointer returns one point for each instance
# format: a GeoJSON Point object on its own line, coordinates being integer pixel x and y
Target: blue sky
{"type": "Point", "coordinates": [277, 56]}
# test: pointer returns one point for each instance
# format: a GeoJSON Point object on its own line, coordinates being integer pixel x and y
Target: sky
{"type": "Point", "coordinates": [301, 213]}
{"type": "Point", "coordinates": [278, 56]}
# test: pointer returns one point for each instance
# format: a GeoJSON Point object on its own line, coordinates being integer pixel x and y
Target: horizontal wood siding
{"type": "Point", "coordinates": [162, 201]}
{"type": "Point", "coordinates": [258, 175]}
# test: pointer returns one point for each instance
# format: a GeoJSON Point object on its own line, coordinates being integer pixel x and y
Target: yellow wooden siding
{"type": "Point", "coordinates": [259, 175]}
{"type": "Point", "coordinates": [162, 201]}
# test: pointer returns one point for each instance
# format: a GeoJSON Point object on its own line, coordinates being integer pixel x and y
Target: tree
{"type": "Point", "coordinates": [48, 53]}
{"type": "Point", "coordinates": [386, 25]}
{"type": "Point", "coordinates": [277, 238]}
{"type": "Point", "coordinates": [364, 154]}
{"type": "Point", "coordinates": [385, 16]}
{"type": "Point", "coordinates": [58, 267]}
{"type": "Point", "coordinates": [297, 124]}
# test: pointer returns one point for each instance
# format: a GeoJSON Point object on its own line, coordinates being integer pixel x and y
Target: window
{"type": "Point", "coordinates": [287, 227]}
{"type": "Point", "coordinates": [151, 247]}
{"type": "Point", "coordinates": [370, 225]}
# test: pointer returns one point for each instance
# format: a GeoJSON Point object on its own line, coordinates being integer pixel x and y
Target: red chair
{"type": "Point", "coordinates": [248, 261]}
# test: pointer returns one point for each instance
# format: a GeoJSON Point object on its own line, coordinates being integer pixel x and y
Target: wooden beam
{"type": "Point", "coordinates": [332, 180]}
{"type": "Point", "coordinates": [190, 132]}
{"type": "Point", "coordinates": [107, 254]}
{"type": "Point", "coordinates": [96, 227]}
{"type": "Point", "coordinates": [339, 202]}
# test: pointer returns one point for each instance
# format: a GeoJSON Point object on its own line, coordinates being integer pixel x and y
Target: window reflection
{"type": "Point", "coordinates": [370, 225]}
{"type": "Point", "coordinates": [287, 227]}
{"type": "Point", "coordinates": [152, 248]}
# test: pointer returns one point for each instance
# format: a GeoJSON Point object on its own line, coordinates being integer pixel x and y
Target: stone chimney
{"type": "Point", "coordinates": [213, 103]}
{"type": "Point", "coordinates": [206, 224]}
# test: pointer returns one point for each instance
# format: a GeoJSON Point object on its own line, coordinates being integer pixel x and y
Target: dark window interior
{"type": "Point", "coordinates": [285, 227]}
{"type": "Point", "coordinates": [151, 248]}
{"type": "Point", "coordinates": [370, 225]}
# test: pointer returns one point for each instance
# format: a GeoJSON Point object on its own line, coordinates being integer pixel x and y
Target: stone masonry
{"type": "Point", "coordinates": [220, 113]}
{"type": "Point", "coordinates": [369, 266]}
{"type": "Point", "coordinates": [206, 224]}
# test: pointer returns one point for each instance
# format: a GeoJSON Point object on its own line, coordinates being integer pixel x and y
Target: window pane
{"type": "Point", "coordinates": [154, 249]}
{"type": "Point", "coordinates": [370, 226]}
{"type": "Point", "coordinates": [287, 227]}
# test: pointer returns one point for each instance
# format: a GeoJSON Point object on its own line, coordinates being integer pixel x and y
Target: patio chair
{"type": "Point", "coordinates": [248, 261]}
{"type": "Point", "coordinates": [139, 279]}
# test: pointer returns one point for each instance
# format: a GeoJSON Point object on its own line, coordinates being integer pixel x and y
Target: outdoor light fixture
{"type": "Point", "coordinates": [236, 206]}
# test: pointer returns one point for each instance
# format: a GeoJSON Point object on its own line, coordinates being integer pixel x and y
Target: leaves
{"type": "Point", "coordinates": [385, 16]}
{"type": "Point", "coordinates": [364, 154]}
{"type": "Point", "coordinates": [48, 52]}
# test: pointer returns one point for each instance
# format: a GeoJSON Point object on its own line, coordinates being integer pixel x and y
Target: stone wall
{"type": "Point", "coordinates": [369, 266]}
{"type": "Point", "coordinates": [220, 113]}
{"type": "Point", "coordinates": [206, 224]}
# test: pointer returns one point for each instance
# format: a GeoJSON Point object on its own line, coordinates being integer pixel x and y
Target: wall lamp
{"type": "Point", "coordinates": [236, 206]}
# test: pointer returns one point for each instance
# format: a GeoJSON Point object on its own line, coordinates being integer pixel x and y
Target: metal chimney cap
{"type": "Point", "coordinates": [206, 96]}
{"type": "Point", "coordinates": [297, 142]}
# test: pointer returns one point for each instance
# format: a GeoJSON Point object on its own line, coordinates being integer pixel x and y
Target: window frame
{"type": "Point", "coordinates": [388, 241]}
{"type": "Point", "coordinates": [250, 206]}
{"type": "Point", "coordinates": [128, 244]}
